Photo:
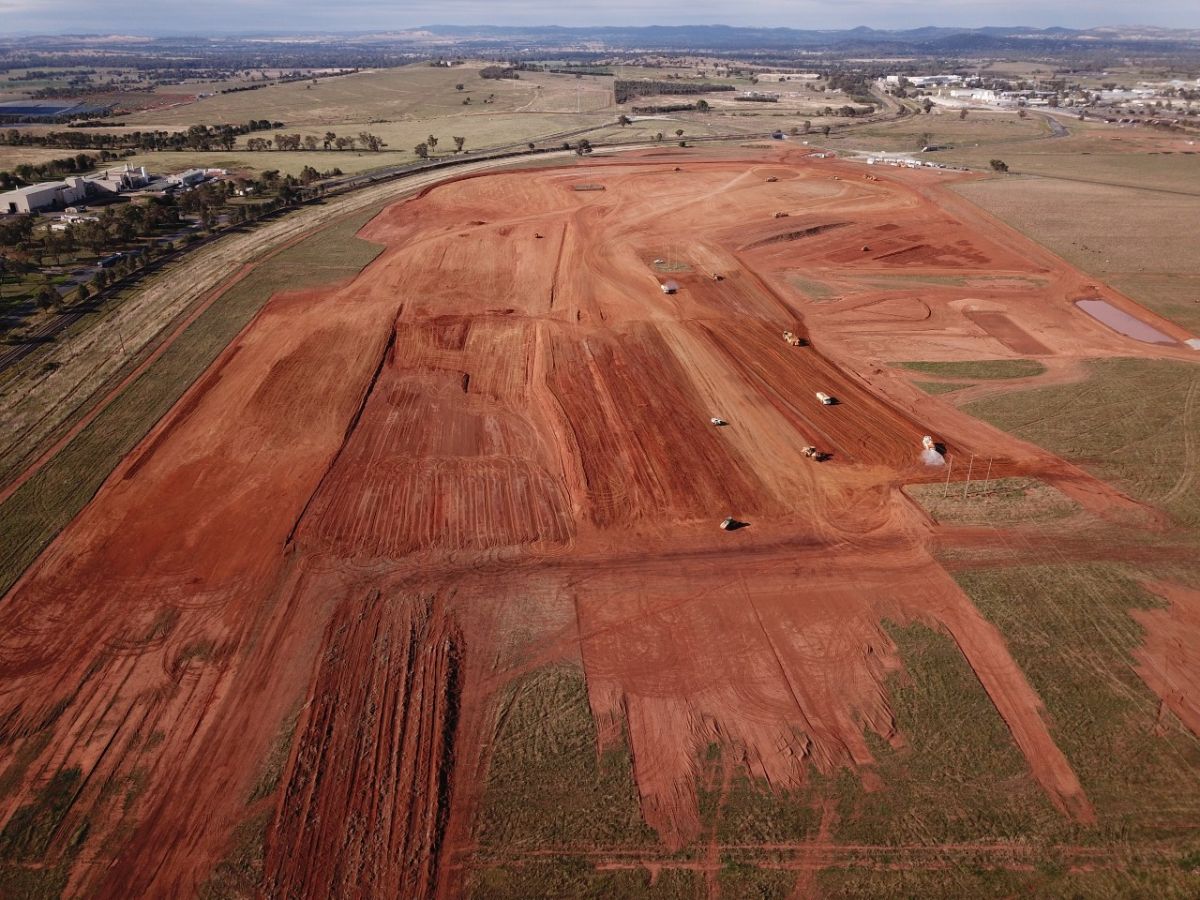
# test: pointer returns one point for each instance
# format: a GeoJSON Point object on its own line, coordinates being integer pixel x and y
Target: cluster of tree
{"type": "Point", "coordinates": [498, 72]}
{"type": "Point", "coordinates": [245, 87]}
{"type": "Point", "coordinates": [30, 173]}
{"type": "Point", "coordinates": [756, 98]}
{"type": "Point", "coordinates": [308, 174]}
{"type": "Point", "coordinates": [565, 70]}
{"type": "Point", "coordinates": [427, 146]}
{"type": "Point", "coordinates": [627, 90]}
{"type": "Point", "coordinates": [330, 141]}
{"type": "Point", "coordinates": [856, 85]}
{"type": "Point", "coordinates": [664, 108]}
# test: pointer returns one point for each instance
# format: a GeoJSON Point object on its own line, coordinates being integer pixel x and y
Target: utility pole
{"type": "Point", "coordinates": [967, 483]}
{"type": "Point", "coordinates": [949, 469]}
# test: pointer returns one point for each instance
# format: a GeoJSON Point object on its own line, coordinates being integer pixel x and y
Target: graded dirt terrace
{"type": "Point", "coordinates": [302, 599]}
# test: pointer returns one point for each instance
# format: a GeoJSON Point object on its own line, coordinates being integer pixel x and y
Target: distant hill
{"type": "Point", "coordinates": [923, 39]}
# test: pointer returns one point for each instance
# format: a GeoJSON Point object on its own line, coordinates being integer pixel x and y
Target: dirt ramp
{"type": "Point", "coordinates": [368, 792]}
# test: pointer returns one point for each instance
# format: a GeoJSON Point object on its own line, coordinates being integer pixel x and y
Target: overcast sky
{"type": "Point", "coordinates": [225, 16]}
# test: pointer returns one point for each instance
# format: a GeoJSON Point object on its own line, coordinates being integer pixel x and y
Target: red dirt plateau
{"type": "Point", "coordinates": [298, 603]}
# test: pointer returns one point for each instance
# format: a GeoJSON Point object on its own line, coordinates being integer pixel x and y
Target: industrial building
{"type": "Point", "coordinates": [47, 195]}
{"type": "Point", "coordinates": [72, 190]}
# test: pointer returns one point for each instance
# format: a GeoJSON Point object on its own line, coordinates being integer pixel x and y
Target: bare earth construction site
{"type": "Point", "coordinates": [401, 516]}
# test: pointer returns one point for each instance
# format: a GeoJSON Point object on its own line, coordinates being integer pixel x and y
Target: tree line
{"type": "Point", "coordinates": [330, 141]}
{"type": "Point", "coordinates": [626, 90]}
{"type": "Point", "coordinates": [196, 137]}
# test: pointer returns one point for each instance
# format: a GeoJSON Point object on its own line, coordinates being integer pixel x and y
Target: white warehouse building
{"type": "Point", "coordinates": [46, 195]}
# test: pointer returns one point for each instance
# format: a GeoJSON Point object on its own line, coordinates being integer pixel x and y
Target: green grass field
{"type": "Point", "coordinates": [983, 370]}
{"type": "Point", "coordinates": [1069, 628]}
{"type": "Point", "coordinates": [980, 128]}
{"type": "Point", "coordinates": [1133, 422]}
{"type": "Point", "coordinates": [42, 506]}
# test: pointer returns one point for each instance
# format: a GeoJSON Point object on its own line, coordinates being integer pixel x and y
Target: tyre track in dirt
{"type": "Point", "coordinates": [387, 498]}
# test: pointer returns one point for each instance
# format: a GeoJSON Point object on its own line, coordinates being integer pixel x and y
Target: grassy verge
{"type": "Point", "coordinates": [572, 876]}
{"type": "Point", "coordinates": [934, 388]}
{"type": "Point", "coordinates": [547, 786]}
{"type": "Point", "coordinates": [754, 814]}
{"type": "Point", "coordinates": [40, 508]}
{"type": "Point", "coordinates": [739, 879]}
{"type": "Point", "coordinates": [1051, 883]}
{"type": "Point", "coordinates": [1175, 296]}
{"type": "Point", "coordinates": [987, 369]}
{"type": "Point", "coordinates": [999, 501]}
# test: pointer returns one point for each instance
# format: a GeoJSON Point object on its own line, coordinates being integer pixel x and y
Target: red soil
{"type": "Point", "coordinates": [491, 452]}
{"type": "Point", "coordinates": [1169, 658]}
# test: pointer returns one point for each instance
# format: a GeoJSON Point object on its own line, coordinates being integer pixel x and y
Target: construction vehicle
{"type": "Point", "coordinates": [716, 420]}
{"type": "Point", "coordinates": [669, 287]}
{"type": "Point", "coordinates": [814, 454]}
{"type": "Point", "coordinates": [930, 454]}
{"type": "Point", "coordinates": [793, 339]}
{"type": "Point", "coordinates": [538, 235]}
{"type": "Point", "coordinates": [772, 180]}
{"type": "Point", "coordinates": [781, 215]}
{"type": "Point", "coordinates": [729, 523]}
{"type": "Point", "coordinates": [826, 399]}
{"type": "Point", "coordinates": [717, 276]}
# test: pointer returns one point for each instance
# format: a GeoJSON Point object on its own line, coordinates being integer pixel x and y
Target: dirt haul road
{"type": "Point", "coordinates": [490, 452]}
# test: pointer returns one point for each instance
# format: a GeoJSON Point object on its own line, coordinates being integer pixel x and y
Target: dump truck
{"type": "Point", "coordinates": [772, 180]}
{"type": "Point", "coordinates": [669, 287]}
{"type": "Point", "coordinates": [794, 339]}
{"type": "Point", "coordinates": [718, 421]}
{"type": "Point", "coordinates": [814, 454]}
{"type": "Point", "coordinates": [825, 398]}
